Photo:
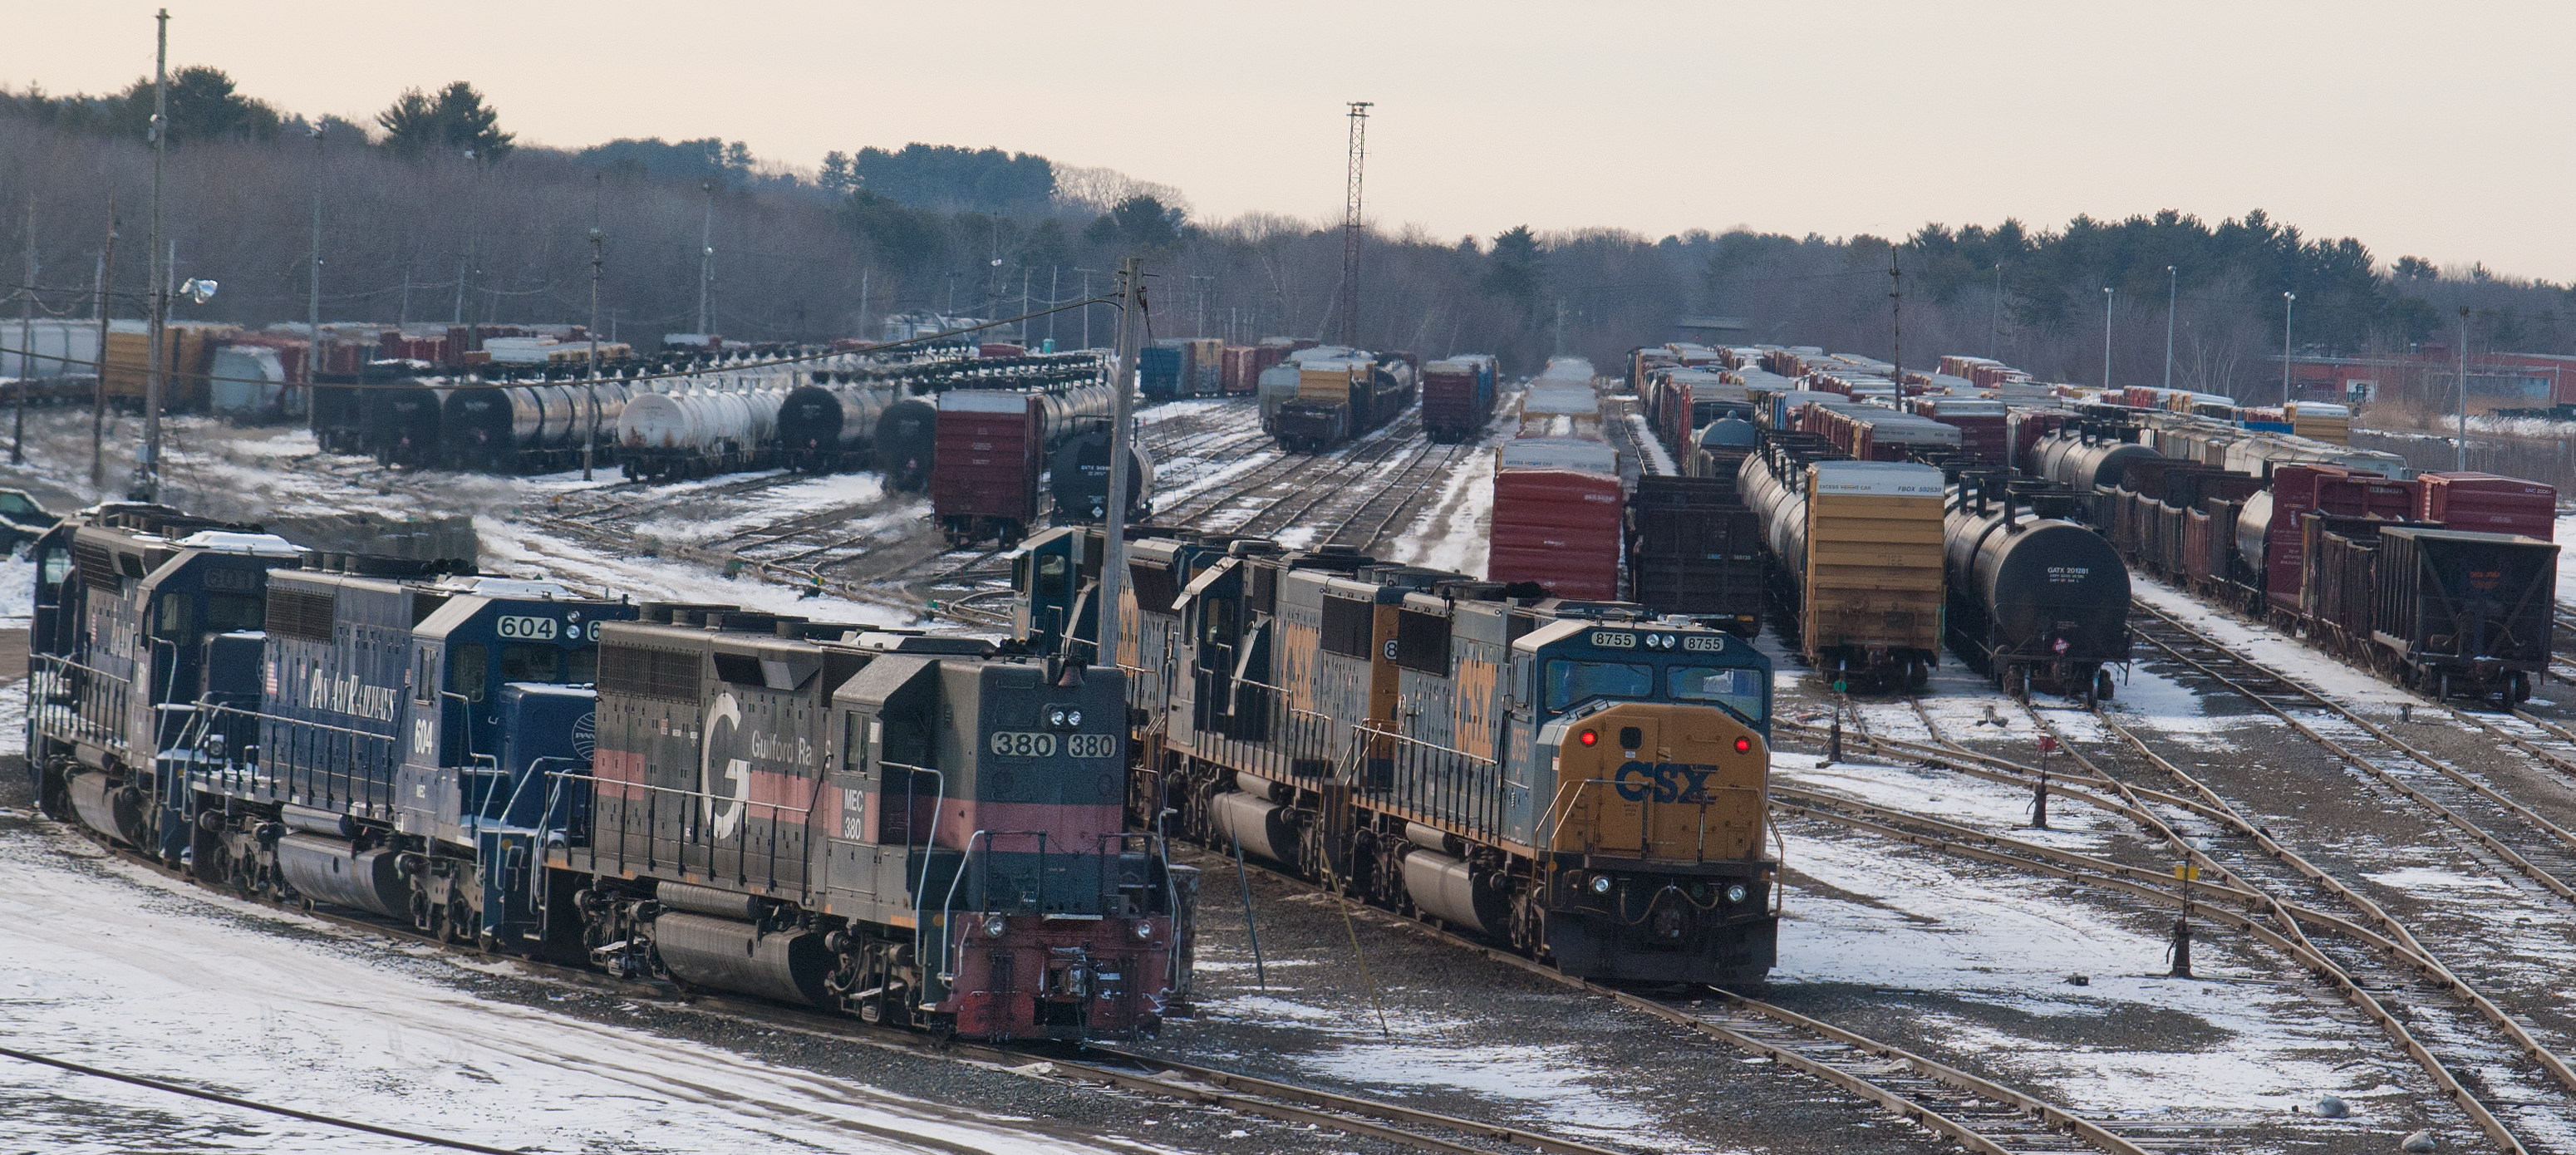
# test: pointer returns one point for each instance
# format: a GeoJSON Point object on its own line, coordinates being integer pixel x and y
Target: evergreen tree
{"type": "Point", "coordinates": [454, 120]}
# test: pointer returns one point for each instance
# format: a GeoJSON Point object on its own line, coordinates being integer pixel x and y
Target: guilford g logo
{"type": "Point", "coordinates": [727, 792]}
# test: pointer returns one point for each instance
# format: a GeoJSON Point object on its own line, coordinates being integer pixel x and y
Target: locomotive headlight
{"type": "Point", "coordinates": [1600, 884]}
{"type": "Point", "coordinates": [1735, 892]}
{"type": "Point", "coordinates": [994, 925]}
{"type": "Point", "coordinates": [1073, 717]}
{"type": "Point", "coordinates": [1144, 929]}
{"type": "Point", "coordinates": [1056, 719]}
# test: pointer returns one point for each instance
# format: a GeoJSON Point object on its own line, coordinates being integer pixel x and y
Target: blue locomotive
{"type": "Point", "coordinates": [916, 830]}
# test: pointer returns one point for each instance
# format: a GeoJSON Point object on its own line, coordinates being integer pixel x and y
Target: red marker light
{"type": "Point", "coordinates": [1588, 737]}
{"type": "Point", "coordinates": [1744, 745]}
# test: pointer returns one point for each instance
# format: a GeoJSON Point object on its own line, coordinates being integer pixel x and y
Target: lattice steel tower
{"type": "Point", "coordinates": [1351, 226]}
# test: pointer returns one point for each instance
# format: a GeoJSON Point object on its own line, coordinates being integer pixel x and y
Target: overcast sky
{"type": "Point", "coordinates": [2425, 129]}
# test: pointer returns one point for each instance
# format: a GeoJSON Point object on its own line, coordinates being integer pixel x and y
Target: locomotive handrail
{"type": "Point", "coordinates": [654, 793]}
{"type": "Point", "coordinates": [66, 715]}
{"type": "Point", "coordinates": [476, 820]}
{"type": "Point", "coordinates": [920, 889]}
{"type": "Point", "coordinates": [390, 756]}
{"type": "Point", "coordinates": [1421, 787]}
{"type": "Point", "coordinates": [1308, 735]}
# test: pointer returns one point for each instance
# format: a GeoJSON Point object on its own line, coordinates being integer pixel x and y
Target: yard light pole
{"type": "Point", "coordinates": [2289, 301]}
{"type": "Point", "coordinates": [2463, 458]}
{"type": "Point", "coordinates": [2173, 296]}
{"type": "Point", "coordinates": [2106, 336]}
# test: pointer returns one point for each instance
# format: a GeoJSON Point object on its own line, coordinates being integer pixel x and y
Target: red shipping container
{"type": "Point", "coordinates": [1000, 349]}
{"type": "Point", "coordinates": [985, 462]}
{"type": "Point", "coordinates": [1559, 528]}
{"type": "Point", "coordinates": [2486, 503]}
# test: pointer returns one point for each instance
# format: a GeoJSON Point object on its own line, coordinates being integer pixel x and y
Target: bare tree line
{"type": "Point", "coordinates": [435, 238]}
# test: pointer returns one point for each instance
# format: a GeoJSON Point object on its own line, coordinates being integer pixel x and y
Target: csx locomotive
{"type": "Point", "coordinates": [1580, 780]}
{"type": "Point", "coordinates": [917, 830]}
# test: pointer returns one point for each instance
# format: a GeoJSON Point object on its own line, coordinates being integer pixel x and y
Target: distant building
{"type": "Point", "coordinates": [2432, 373]}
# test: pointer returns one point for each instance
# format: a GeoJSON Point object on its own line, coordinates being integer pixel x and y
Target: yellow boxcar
{"type": "Point", "coordinates": [1872, 569]}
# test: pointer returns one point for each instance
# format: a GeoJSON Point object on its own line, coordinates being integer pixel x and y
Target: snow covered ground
{"type": "Point", "coordinates": [1994, 959]}
{"type": "Point", "coordinates": [17, 592]}
{"type": "Point", "coordinates": [103, 964]}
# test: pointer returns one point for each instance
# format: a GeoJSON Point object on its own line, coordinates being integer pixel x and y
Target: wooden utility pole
{"type": "Point", "coordinates": [313, 303]}
{"type": "Point", "coordinates": [26, 341]}
{"type": "Point", "coordinates": [1113, 551]}
{"type": "Point", "coordinates": [590, 438]}
{"type": "Point", "coordinates": [98, 391]}
{"type": "Point", "coordinates": [147, 469]}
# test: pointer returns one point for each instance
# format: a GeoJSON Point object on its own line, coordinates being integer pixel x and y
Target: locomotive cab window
{"type": "Point", "coordinates": [1737, 688]}
{"type": "Point", "coordinates": [466, 671]}
{"type": "Point", "coordinates": [226, 613]}
{"type": "Point", "coordinates": [1053, 569]}
{"type": "Point", "coordinates": [53, 568]}
{"type": "Point", "coordinates": [1569, 682]}
{"type": "Point", "coordinates": [582, 665]}
{"type": "Point", "coordinates": [178, 612]}
{"type": "Point", "coordinates": [531, 662]}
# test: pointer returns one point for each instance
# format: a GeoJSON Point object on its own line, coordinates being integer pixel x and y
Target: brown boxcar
{"type": "Point", "coordinates": [1694, 549]}
{"type": "Point", "coordinates": [984, 471]}
{"type": "Point", "coordinates": [2486, 503]}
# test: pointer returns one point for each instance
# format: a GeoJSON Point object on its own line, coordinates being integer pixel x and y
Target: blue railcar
{"type": "Point", "coordinates": [915, 830]}
{"type": "Point", "coordinates": [1163, 371]}
{"type": "Point", "coordinates": [130, 600]}
{"type": "Point", "coordinates": [385, 714]}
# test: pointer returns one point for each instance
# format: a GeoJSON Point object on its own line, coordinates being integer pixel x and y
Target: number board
{"type": "Point", "coordinates": [1614, 640]}
{"type": "Point", "coordinates": [525, 628]}
{"type": "Point", "coordinates": [1091, 745]}
{"type": "Point", "coordinates": [1704, 643]}
{"type": "Point", "coordinates": [1023, 744]}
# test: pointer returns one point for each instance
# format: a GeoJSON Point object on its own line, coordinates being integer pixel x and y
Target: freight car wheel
{"type": "Point", "coordinates": [2518, 686]}
{"type": "Point", "coordinates": [2103, 685]}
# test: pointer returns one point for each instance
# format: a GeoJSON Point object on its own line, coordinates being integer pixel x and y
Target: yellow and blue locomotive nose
{"type": "Point", "coordinates": [1661, 781]}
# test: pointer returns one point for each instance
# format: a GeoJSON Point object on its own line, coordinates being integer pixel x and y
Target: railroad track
{"type": "Point", "coordinates": [2509, 838]}
{"type": "Point", "coordinates": [1127, 1069]}
{"type": "Point", "coordinates": [2442, 1024]}
{"type": "Point", "coordinates": [1979, 1114]}
{"type": "Point", "coordinates": [1345, 475]}
{"type": "Point", "coordinates": [1369, 521]}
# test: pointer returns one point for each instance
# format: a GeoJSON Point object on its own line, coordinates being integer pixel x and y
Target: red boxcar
{"type": "Point", "coordinates": [2299, 490]}
{"type": "Point", "coordinates": [985, 464]}
{"type": "Point", "coordinates": [1559, 528]}
{"type": "Point", "coordinates": [2486, 503]}
{"type": "Point", "coordinates": [1980, 422]}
